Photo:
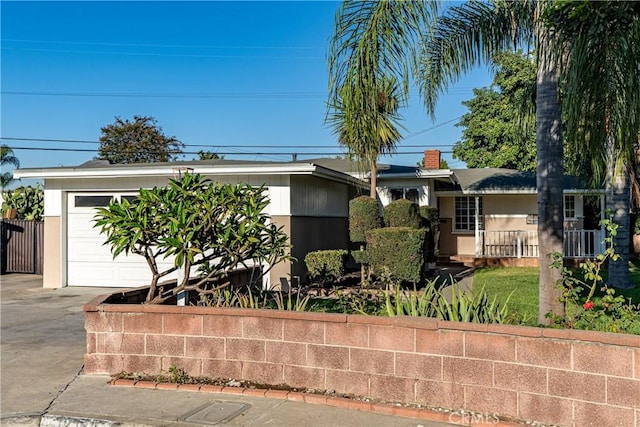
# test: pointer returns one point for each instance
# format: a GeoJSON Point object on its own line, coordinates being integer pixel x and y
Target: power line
{"type": "Point", "coordinates": [156, 45]}
{"type": "Point", "coordinates": [84, 141]}
{"type": "Point", "coordinates": [213, 95]}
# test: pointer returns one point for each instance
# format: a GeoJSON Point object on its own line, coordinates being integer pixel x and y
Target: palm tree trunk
{"type": "Point", "coordinates": [549, 175]}
{"type": "Point", "coordinates": [618, 198]}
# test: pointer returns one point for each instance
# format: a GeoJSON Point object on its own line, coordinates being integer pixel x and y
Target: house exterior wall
{"type": "Point", "coordinates": [314, 209]}
{"type": "Point", "coordinates": [501, 212]}
{"type": "Point", "coordinates": [424, 187]}
{"type": "Point", "coordinates": [313, 196]}
{"type": "Point", "coordinates": [52, 262]}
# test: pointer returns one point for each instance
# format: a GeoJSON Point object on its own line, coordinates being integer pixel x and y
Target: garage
{"type": "Point", "coordinates": [89, 262]}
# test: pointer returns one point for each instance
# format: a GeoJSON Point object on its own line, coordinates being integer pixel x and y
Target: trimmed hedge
{"type": "Point", "coordinates": [402, 213]}
{"type": "Point", "coordinates": [399, 249]}
{"type": "Point", "coordinates": [364, 215]}
{"type": "Point", "coordinates": [325, 266]}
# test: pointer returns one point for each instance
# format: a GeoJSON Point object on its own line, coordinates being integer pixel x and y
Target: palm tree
{"type": "Point", "coordinates": [367, 131]}
{"type": "Point", "coordinates": [375, 39]}
{"type": "Point", "coordinates": [603, 99]}
{"type": "Point", "coordinates": [7, 158]}
{"type": "Point", "coordinates": [367, 60]}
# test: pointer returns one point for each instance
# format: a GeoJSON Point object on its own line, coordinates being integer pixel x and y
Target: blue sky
{"type": "Point", "coordinates": [231, 77]}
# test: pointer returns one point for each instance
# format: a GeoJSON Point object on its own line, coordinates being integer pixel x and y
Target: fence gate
{"type": "Point", "coordinates": [21, 244]}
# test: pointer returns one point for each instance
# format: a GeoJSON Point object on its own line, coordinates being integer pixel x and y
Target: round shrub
{"type": "Point", "coordinates": [364, 215]}
{"type": "Point", "coordinates": [402, 213]}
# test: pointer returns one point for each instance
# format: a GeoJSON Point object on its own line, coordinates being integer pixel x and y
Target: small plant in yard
{"type": "Point", "coordinates": [461, 306]}
{"type": "Point", "coordinates": [218, 228]}
{"type": "Point", "coordinates": [326, 266]}
{"type": "Point", "coordinates": [611, 313]}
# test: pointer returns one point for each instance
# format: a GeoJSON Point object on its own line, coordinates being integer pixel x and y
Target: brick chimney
{"type": "Point", "coordinates": [431, 159]}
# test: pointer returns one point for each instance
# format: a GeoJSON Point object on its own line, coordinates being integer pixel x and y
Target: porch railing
{"type": "Point", "coordinates": [524, 244]}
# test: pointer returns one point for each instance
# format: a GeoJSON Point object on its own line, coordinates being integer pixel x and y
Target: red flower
{"type": "Point", "coordinates": [588, 305]}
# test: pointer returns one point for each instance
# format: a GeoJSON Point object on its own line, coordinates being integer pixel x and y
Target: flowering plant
{"type": "Point", "coordinates": [610, 313]}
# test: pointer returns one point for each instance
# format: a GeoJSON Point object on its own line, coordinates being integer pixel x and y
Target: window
{"type": "Point", "coordinates": [130, 199]}
{"type": "Point", "coordinates": [569, 206]}
{"type": "Point", "coordinates": [411, 194]}
{"type": "Point", "coordinates": [91, 201]}
{"type": "Point", "coordinates": [465, 211]}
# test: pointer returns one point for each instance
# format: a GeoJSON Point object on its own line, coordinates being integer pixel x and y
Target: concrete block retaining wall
{"type": "Point", "coordinates": [563, 377]}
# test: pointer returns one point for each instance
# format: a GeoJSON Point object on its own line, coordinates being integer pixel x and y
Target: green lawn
{"type": "Point", "coordinates": [523, 283]}
{"type": "Point", "coordinates": [519, 282]}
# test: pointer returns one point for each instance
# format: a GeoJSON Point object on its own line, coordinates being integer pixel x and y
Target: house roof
{"type": "Point", "coordinates": [218, 167]}
{"type": "Point", "coordinates": [497, 180]}
{"type": "Point", "coordinates": [384, 170]}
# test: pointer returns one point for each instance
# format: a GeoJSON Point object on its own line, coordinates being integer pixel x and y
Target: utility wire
{"type": "Point", "coordinates": [248, 153]}
{"type": "Point", "coordinates": [81, 141]}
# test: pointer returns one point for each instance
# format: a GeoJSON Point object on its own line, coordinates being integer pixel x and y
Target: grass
{"type": "Point", "coordinates": [518, 283]}
{"type": "Point", "coordinates": [522, 284]}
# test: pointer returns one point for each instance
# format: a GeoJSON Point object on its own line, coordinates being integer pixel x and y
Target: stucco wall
{"type": "Point", "coordinates": [51, 266]}
{"type": "Point", "coordinates": [561, 377]}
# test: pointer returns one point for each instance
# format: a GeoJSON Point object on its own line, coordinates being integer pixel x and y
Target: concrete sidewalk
{"type": "Point", "coordinates": [42, 349]}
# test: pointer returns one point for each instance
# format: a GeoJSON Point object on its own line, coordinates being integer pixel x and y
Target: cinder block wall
{"type": "Point", "coordinates": [563, 377]}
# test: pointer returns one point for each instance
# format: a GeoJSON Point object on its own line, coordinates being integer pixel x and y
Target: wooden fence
{"type": "Point", "coordinates": [21, 246]}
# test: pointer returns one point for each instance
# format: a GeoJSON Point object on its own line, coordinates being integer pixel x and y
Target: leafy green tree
{"type": "Point", "coordinates": [599, 53]}
{"type": "Point", "coordinates": [7, 158]}
{"type": "Point", "coordinates": [494, 135]}
{"type": "Point", "coordinates": [208, 155]}
{"type": "Point", "coordinates": [137, 141]}
{"type": "Point", "coordinates": [217, 228]}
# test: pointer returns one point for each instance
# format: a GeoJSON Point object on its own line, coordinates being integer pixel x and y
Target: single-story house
{"type": "Point", "coordinates": [485, 214]}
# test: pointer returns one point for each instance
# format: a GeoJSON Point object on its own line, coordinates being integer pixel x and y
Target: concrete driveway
{"type": "Point", "coordinates": [42, 330]}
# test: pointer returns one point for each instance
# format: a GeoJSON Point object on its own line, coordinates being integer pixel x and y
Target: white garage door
{"type": "Point", "coordinates": [89, 262]}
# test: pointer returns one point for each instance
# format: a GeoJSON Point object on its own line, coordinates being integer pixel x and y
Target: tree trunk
{"type": "Point", "coordinates": [618, 199]}
{"type": "Point", "coordinates": [549, 175]}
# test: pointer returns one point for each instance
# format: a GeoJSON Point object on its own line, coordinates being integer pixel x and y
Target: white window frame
{"type": "Point", "coordinates": [470, 214]}
{"type": "Point", "coordinates": [571, 197]}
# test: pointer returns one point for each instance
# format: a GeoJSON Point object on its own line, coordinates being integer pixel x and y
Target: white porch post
{"type": "Point", "coordinates": [477, 225]}
{"type": "Point", "coordinates": [602, 230]}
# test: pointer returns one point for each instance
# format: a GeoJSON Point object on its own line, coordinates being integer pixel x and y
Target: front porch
{"type": "Point", "coordinates": [578, 244]}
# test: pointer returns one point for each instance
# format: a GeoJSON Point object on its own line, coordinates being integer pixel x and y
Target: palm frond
{"type": "Point", "coordinates": [467, 36]}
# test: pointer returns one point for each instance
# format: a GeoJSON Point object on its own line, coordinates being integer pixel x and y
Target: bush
{"type": "Point", "coordinates": [398, 249]}
{"type": "Point", "coordinates": [402, 213]}
{"type": "Point", "coordinates": [431, 220]}
{"type": "Point", "coordinates": [364, 215]}
{"type": "Point", "coordinates": [325, 266]}
{"type": "Point", "coordinates": [27, 201]}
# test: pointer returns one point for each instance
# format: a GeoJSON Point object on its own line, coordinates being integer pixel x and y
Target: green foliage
{"type": "Point", "coordinates": [493, 133]}
{"type": "Point", "coordinates": [27, 201]}
{"type": "Point", "coordinates": [636, 225]}
{"type": "Point", "coordinates": [255, 298]}
{"type": "Point", "coordinates": [461, 306]}
{"type": "Point", "coordinates": [398, 249]}
{"type": "Point", "coordinates": [364, 215]}
{"type": "Point", "coordinates": [208, 155]}
{"type": "Point", "coordinates": [402, 213]}
{"type": "Point", "coordinates": [360, 256]}
{"type": "Point", "coordinates": [610, 313]}
{"type": "Point", "coordinates": [326, 266]}
{"type": "Point", "coordinates": [218, 228]}
{"type": "Point", "coordinates": [137, 141]}
{"type": "Point", "coordinates": [7, 158]}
